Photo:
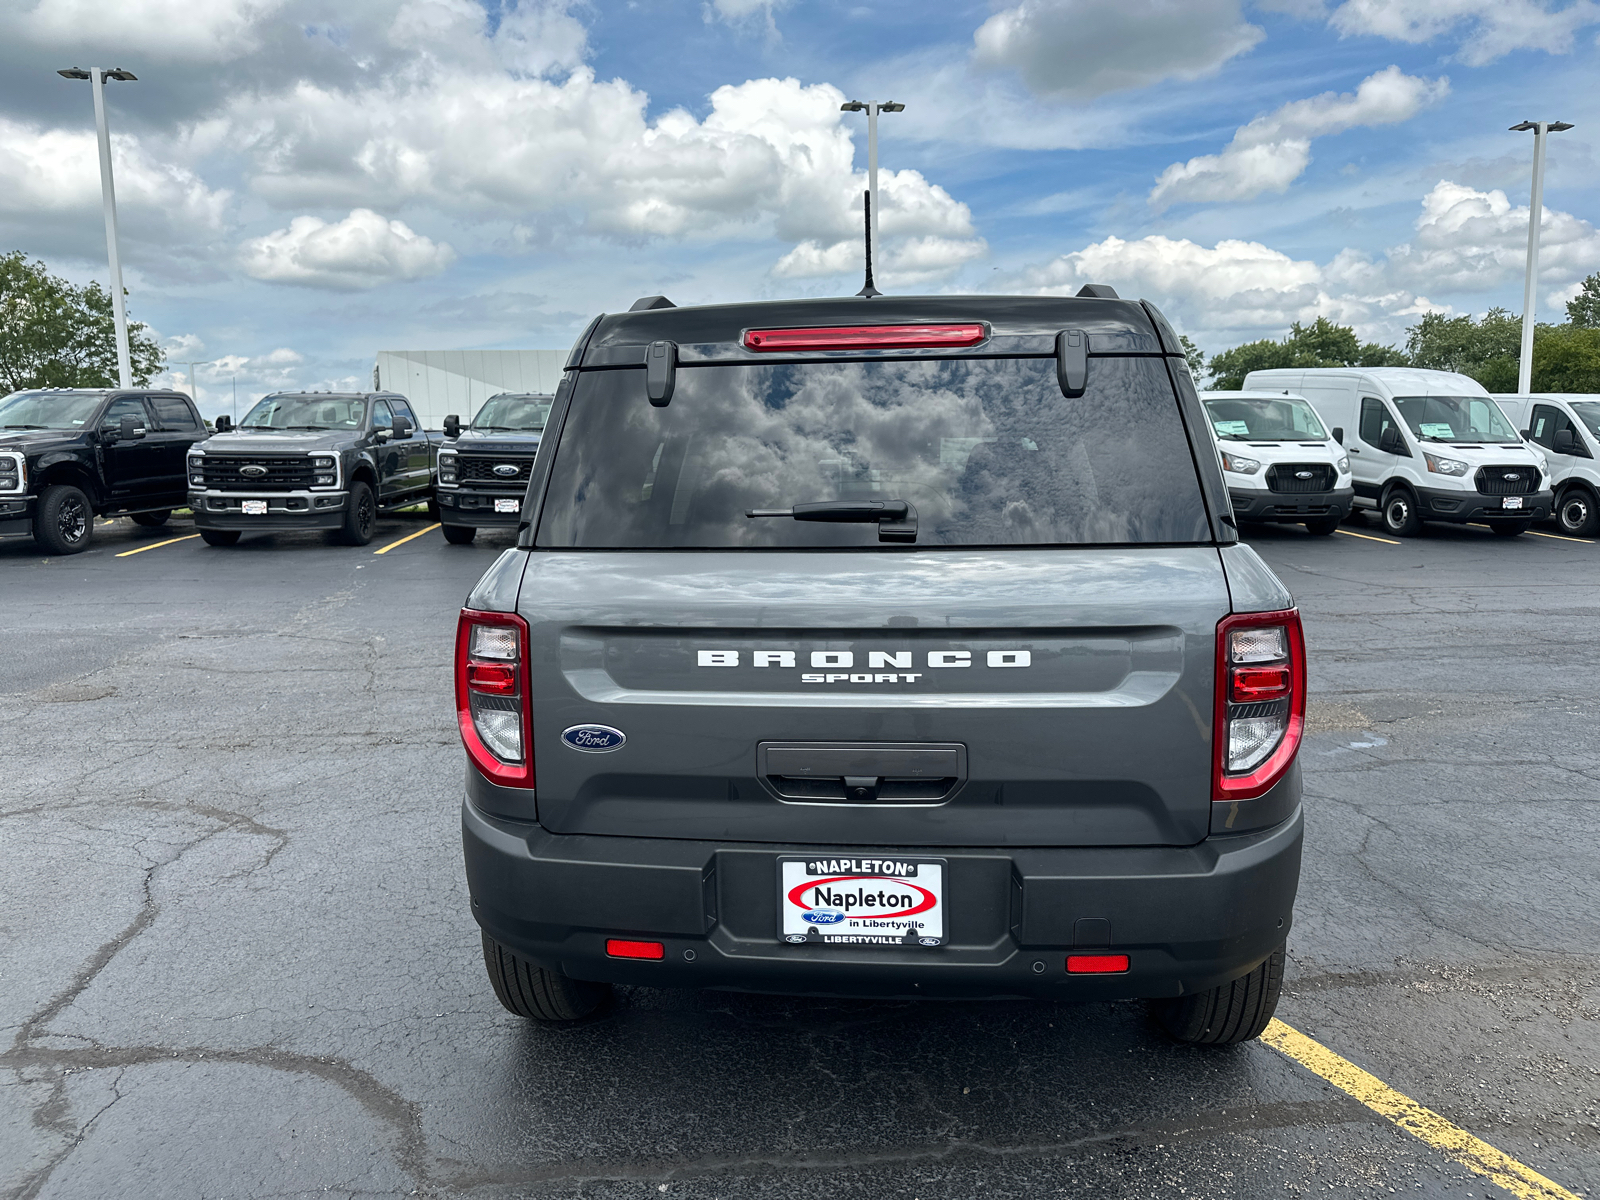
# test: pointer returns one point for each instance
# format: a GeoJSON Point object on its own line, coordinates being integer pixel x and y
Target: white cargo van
{"type": "Point", "coordinates": [1424, 446]}
{"type": "Point", "coordinates": [1566, 427]}
{"type": "Point", "coordinates": [1278, 459]}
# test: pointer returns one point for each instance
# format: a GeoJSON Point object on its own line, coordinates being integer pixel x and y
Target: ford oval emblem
{"type": "Point", "coordinates": [1513, 475]}
{"type": "Point", "coordinates": [253, 471]}
{"type": "Point", "coordinates": [823, 916]}
{"type": "Point", "coordinates": [506, 470]}
{"type": "Point", "coordinates": [594, 739]}
{"type": "Point", "coordinates": [1302, 474]}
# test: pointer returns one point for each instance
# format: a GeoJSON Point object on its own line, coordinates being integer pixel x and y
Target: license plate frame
{"type": "Point", "coordinates": [253, 508]}
{"type": "Point", "coordinates": [1510, 501]}
{"type": "Point", "coordinates": [910, 890]}
{"type": "Point", "coordinates": [507, 506]}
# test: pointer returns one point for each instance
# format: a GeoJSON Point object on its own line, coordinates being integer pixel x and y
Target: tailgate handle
{"type": "Point", "coordinates": [863, 773]}
{"type": "Point", "coordinates": [1072, 362]}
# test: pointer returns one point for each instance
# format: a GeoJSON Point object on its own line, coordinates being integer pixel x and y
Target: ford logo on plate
{"type": "Point", "coordinates": [823, 916]}
{"type": "Point", "coordinates": [506, 470]}
{"type": "Point", "coordinates": [253, 471]}
{"type": "Point", "coordinates": [594, 739]}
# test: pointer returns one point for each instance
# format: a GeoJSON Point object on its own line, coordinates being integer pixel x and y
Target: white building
{"type": "Point", "coordinates": [438, 382]}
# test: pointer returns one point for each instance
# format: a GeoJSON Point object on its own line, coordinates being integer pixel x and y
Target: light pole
{"type": "Point", "coordinates": [1535, 210]}
{"type": "Point", "coordinates": [194, 383]}
{"type": "Point", "coordinates": [97, 77]}
{"type": "Point", "coordinates": [872, 109]}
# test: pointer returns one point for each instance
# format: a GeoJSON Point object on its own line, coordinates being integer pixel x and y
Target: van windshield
{"type": "Point", "coordinates": [1288, 419]}
{"type": "Point", "coordinates": [985, 451]}
{"type": "Point", "coordinates": [1588, 412]}
{"type": "Point", "coordinates": [1455, 419]}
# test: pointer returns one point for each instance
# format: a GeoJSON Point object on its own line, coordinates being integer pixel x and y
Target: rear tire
{"type": "Point", "coordinates": [360, 514]}
{"type": "Point", "coordinates": [459, 535]}
{"type": "Point", "coordinates": [220, 537]}
{"type": "Point", "coordinates": [1578, 514]}
{"type": "Point", "coordinates": [538, 994]}
{"type": "Point", "coordinates": [1400, 516]}
{"type": "Point", "coordinates": [1226, 1015]}
{"type": "Point", "coordinates": [1323, 526]}
{"type": "Point", "coordinates": [151, 520]}
{"type": "Point", "coordinates": [1509, 529]}
{"type": "Point", "coordinates": [63, 523]}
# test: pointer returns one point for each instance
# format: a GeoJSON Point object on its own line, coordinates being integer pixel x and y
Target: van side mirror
{"type": "Point", "coordinates": [131, 429]}
{"type": "Point", "coordinates": [401, 428]}
{"type": "Point", "coordinates": [1392, 443]}
{"type": "Point", "coordinates": [224, 424]}
{"type": "Point", "coordinates": [1338, 434]}
{"type": "Point", "coordinates": [452, 426]}
{"type": "Point", "coordinates": [1526, 435]}
{"type": "Point", "coordinates": [1564, 442]}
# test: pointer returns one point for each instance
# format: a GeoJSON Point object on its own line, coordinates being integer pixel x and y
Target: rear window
{"type": "Point", "coordinates": [987, 451]}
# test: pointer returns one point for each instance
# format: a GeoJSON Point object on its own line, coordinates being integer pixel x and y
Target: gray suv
{"type": "Point", "coordinates": [892, 647]}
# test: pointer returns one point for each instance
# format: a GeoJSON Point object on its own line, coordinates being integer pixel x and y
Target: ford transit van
{"type": "Point", "coordinates": [1566, 428]}
{"type": "Point", "coordinates": [1278, 459]}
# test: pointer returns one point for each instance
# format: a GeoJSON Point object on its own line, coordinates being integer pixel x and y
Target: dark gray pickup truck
{"type": "Point", "coordinates": [484, 468]}
{"type": "Point", "coordinates": [312, 460]}
{"type": "Point", "coordinates": [897, 647]}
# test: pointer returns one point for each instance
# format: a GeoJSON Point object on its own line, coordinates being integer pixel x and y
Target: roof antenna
{"type": "Point", "coordinates": [868, 291]}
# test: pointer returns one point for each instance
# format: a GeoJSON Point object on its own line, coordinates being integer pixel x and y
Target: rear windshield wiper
{"type": "Point", "coordinates": [896, 519]}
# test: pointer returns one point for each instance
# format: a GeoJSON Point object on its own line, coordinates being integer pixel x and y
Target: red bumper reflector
{"type": "Point", "coordinates": [1260, 683]}
{"type": "Point", "coordinates": [500, 678]}
{"type": "Point", "coordinates": [1096, 964]}
{"type": "Point", "coordinates": [618, 948]}
{"type": "Point", "coordinates": [864, 337]}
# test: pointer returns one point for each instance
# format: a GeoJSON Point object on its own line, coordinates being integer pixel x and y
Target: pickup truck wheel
{"type": "Point", "coordinates": [1577, 513]}
{"type": "Point", "coordinates": [360, 513]}
{"type": "Point", "coordinates": [1226, 1015]}
{"type": "Point", "coordinates": [1400, 516]}
{"type": "Point", "coordinates": [152, 519]}
{"type": "Point", "coordinates": [459, 535]}
{"type": "Point", "coordinates": [220, 537]}
{"type": "Point", "coordinates": [1322, 526]}
{"type": "Point", "coordinates": [536, 993]}
{"type": "Point", "coordinates": [64, 521]}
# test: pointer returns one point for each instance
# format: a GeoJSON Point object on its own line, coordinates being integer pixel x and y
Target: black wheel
{"type": "Point", "coordinates": [220, 537]}
{"type": "Point", "coordinates": [151, 520]}
{"type": "Point", "coordinates": [1322, 526]}
{"type": "Point", "coordinates": [1510, 528]}
{"type": "Point", "coordinates": [1226, 1015]}
{"type": "Point", "coordinates": [1577, 513]}
{"type": "Point", "coordinates": [459, 535]}
{"type": "Point", "coordinates": [536, 993]}
{"type": "Point", "coordinates": [360, 514]}
{"type": "Point", "coordinates": [64, 521]}
{"type": "Point", "coordinates": [1400, 516]}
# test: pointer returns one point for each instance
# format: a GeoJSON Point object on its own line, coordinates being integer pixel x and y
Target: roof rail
{"type": "Point", "coordinates": [644, 303]}
{"type": "Point", "coordinates": [1099, 291]}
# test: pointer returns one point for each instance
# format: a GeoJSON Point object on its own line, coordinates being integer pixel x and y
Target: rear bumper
{"type": "Point", "coordinates": [285, 510]}
{"type": "Point", "coordinates": [476, 508]}
{"type": "Point", "coordinates": [1189, 918]}
{"type": "Point", "coordinates": [1291, 506]}
{"type": "Point", "coordinates": [1441, 504]}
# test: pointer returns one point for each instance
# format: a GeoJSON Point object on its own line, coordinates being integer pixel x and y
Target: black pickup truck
{"type": "Point", "coordinates": [68, 455]}
{"type": "Point", "coordinates": [484, 469]}
{"type": "Point", "coordinates": [311, 460]}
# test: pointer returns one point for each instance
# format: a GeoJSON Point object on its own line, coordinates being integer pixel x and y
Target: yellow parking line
{"type": "Point", "coordinates": [1473, 1153]}
{"type": "Point", "coordinates": [158, 545]}
{"type": "Point", "coordinates": [407, 538]}
{"type": "Point", "coordinates": [1561, 537]}
{"type": "Point", "coordinates": [1368, 537]}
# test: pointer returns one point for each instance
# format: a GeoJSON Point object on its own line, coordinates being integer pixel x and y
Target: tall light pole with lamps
{"type": "Point", "coordinates": [194, 383]}
{"type": "Point", "coordinates": [97, 77]}
{"type": "Point", "coordinates": [1541, 129]}
{"type": "Point", "coordinates": [872, 109]}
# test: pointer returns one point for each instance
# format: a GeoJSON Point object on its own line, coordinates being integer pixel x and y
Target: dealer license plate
{"type": "Point", "coordinates": [254, 508]}
{"type": "Point", "coordinates": [1510, 501]}
{"type": "Point", "coordinates": [861, 899]}
{"type": "Point", "coordinates": [507, 505]}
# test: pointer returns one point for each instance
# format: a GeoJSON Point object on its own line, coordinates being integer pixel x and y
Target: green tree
{"type": "Point", "coordinates": [1486, 349]}
{"type": "Point", "coordinates": [1195, 356]}
{"type": "Point", "coordinates": [1319, 344]}
{"type": "Point", "coordinates": [1584, 308]}
{"type": "Point", "coordinates": [53, 334]}
{"type": "Point", "coordinates": [1566, 358]}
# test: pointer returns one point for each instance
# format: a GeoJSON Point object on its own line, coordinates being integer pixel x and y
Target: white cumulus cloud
{"type": "Point", "coordinates": [1272, 151]}
{"type": "Point", "coordinates": [361, 251]}
{"type": "Point", "coordinates": [1488, 28]}
{"type": "Point", "coordinates": [1080, 49]}
{"type": "Point", "coordinates": [167, 30]}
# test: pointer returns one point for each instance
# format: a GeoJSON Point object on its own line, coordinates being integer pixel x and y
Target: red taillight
{"type": "Point", "coordinates": [1096, 964]}
{"type": "Point", "coordinates": [619, 948]}
{"type": "Point", "coordinates": [492, 706]}
{"type": "Point", "coordinates": [865, 337]}
{"type": "Point", "coordinates": [1261, 701]}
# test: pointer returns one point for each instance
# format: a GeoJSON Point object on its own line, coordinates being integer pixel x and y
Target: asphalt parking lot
{"type": "Point", "coordinates": [236, 957]}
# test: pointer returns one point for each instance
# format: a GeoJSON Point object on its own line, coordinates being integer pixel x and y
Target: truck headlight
{"type": "Point", "coordinates": [324, 470]}
{"type": "Point", "coordinates": [12, 472]}
{"type": "Point", "coordinates": [1444, 466]}
{"type": "Point", "coordinates": [447, 467]}
{"type": "Point", "coordinates": [1239, 465]}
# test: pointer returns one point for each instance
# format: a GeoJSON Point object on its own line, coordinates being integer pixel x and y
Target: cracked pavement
{"type": "Point", "coordinates": [236, 957]}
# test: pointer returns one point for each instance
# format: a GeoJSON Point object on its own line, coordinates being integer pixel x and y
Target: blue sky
{"type": "Point", "coordinates": [303, 184]}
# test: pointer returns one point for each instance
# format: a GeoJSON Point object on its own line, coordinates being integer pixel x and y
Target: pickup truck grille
{"type": "Point", "coordinates": [476, 468]}
{"type": "Point", "coordinates": [1513, 480]}
{"type": "Point", "coordinates": [1285, 477]}
{"type": "Point", "coordinates": [286, 474]}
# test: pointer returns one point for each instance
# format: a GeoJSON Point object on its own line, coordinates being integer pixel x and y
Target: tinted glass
{"type": "Point", "coordinates": [522, 414]}
{"type": "Point", "coordinates": [1374, 420]}
{"type": "Point", "coordinates": [1589, 413]}
{"type": "Point", "coordinates": [988, 452]}
{"type": "Point", "coordinates": [48, 410]}
{"type": "Point", "coordinates": [306, 412]}
{"type": "Point", "coordinates": [124, 406]}
{"type": "Point", "coordinates": [382, 415]}
{"type": "Point", "coordinates": [1455, 419]}
{"type": "Point", "coordinates": [173, 413]}
{"type": "Point", "coordinates": [402, 409]}
{"type": "Point", "coordinates": [1289, 419]}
